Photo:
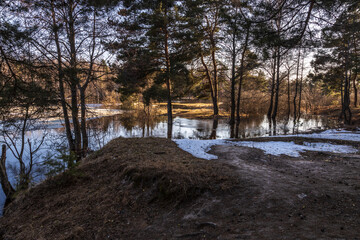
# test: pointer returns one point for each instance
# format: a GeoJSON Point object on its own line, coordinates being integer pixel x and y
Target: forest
{"type": "Point", "coordinates": [279, 58]}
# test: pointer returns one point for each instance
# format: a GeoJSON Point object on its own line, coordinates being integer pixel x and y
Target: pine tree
{"type": "Point", "coordinates": [155, 48]}
{"type": "Point", "coordinates": [337, 63]}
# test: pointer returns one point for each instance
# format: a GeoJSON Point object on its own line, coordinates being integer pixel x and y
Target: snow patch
{"type": "Point", "coordinates": [199, 148]}
{"type": "Point", "coordinates": [293, 150]}
{"type": "Point", "coordinates": [332, 134]}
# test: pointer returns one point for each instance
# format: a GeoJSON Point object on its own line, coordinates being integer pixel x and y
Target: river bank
{"type": "Point", "coordinates": [150, 189]}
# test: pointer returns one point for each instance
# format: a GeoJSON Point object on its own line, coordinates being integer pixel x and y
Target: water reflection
{"type": "Point", "coordinates": [131, 126]}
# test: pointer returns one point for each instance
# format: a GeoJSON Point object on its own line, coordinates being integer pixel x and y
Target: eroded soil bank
{"type": "Point", "coordinates": [150, 189]}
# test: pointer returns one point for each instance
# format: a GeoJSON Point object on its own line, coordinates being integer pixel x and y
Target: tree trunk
{"type": "Point", "coordinates": [278, 56]}
{"type": "Point", "coordinates": [82, 90]}
{"type": "Point", "coordinates": [342, 93]}
{"type": "Point", "coordinates": [296, 86]}
{"type": "Point", "coordinates": [272, 91]}
{"type": "Point", "coordinates": [216, 84]}
{"type": "Point", "coordinates": [85, 140]}
{"type": "Point", "coordinates": [76, 124]}
{"type": "Point", "coordinates": [210, 80]}
{"type": "Point", "coordinates": [74, 81]}
{"type": "Point", "coordinates": [233, 82]}
{"type": "Point", "coordinates": [168, 81]}
{"type": "Point", "coordinates": [345, 111]}
{"type": "Point", "coordinates": [277, 89]}
{"type": "Point", "coordinates": [288, 93]}
{"type": "Point", "coordinates": [346, 105]}
{"type": "Point", "coordinates": [215, 95]}
{"type": "Point", "coordinates": [214, 128]}
{"type": "Point", "coordinates": [355, 75]}
{"type": "Point", "coordinates": [61, 83]}
{"type": "Point", "coordinates": [242, 71]}
{"type": "Point", "coordinates": [6, 186]}
{"type": "Point", "coordinates": [233, 77]}
{"type": "Point", "coordinates": [301, 87]}
{"type": "Point", "coordinates": [355, 90]}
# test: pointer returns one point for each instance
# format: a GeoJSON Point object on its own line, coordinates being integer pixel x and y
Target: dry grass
{"type": "Point", "coordinates": [334, 111]}
{"type": "Point", "coordinates": [116, 192]}
{"type": "Point", "coordinates": [191, 110]}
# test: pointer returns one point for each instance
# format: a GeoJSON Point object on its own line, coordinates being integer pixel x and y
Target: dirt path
{"type": "Point", "coordinates": [316, 196]}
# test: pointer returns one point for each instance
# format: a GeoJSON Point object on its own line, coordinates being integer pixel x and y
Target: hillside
{"type": "Point", "coordinates": [131, 189]}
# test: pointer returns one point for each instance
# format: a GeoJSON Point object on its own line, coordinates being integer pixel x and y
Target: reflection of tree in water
{"type": "Point", "coordinates": [256, 126]}
{"type": "Point", "coordinates": [297, 125]}
{"type": "Point", "coordinates": [127, 124]}
{"type": "Point", "coordinates": [102, 123]}
{"type": "Point", "coordinates": [140, 124]}
{"type": "Point", "coordinates": [192, 128]}
{"type": "Point", "coordinates": [214, 128]}
{"type": "Point", "coordinates": [250, 127]}
{"type": "Point", "coordinates": [141, 120]}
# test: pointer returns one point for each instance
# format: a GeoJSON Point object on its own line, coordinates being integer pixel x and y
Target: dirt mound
{"type": "Point", "coordinates": [116, 193]}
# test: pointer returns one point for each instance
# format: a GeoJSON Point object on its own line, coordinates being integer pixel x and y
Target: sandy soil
{"type": "Point", "coordinates": [127, 191]}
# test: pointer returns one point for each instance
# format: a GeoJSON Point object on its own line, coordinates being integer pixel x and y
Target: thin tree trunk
{"type": "Point", "coordinates": [233, 77]}
{"type": "Point", "coordinates": [61, 82]}
{"type": "Point", "coordinates": [210, 80]}
{"type": "Point", "coordinates": [346, 105]}
{"type": "Point", "coordinates": [24, 178]}
{"type": "Point", "coordinates": [296, 85]}
{"type": "Point", "coordinates": [355, 76]}
{"type": "Point", "coordinates": [214, 128]}
{"type": "Point", "coordinates": [168, 87]}
{"type": "Point", "coordinates": [346, 112]}
{"type": "Point", "coordinates": [242, 71]}
{"type": "Point", "coordinates": [75, 118]}
{"type": "Point", "coordinates": [349, 80]}
{"type": "Point", "coordinates": [74, 81]}
{"type": "Point", "coordinates": [288, 93]}
{"type": "Point", "coordinates": [168, 80]}
{"type": "Point", "coordinates": [82, 90]}
{"type": "Point", "coordinates": [342, 93]}
{"type": "Point", "coordinates": [301, 88]}
{"type": "Point", "coordinates": [6, 186]}
{"type": "Point", "coordinates": [277, 89]}
{"type": "Point", "coordinates": [233, 82]}
{"type": "Point", "coordinates": [85, 139]}
{"type": "Point", "coordinates": [355, 90]}
{"type": "Point", "coordinates": [272, 92]}
{"type": "Point", "coordinates": [215, 82]}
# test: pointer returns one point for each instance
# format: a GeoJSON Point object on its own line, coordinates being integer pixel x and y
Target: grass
{"type": "Point", "coordinates": [193, 110]}
{"type": "Point", "coordinates": [135, 177]}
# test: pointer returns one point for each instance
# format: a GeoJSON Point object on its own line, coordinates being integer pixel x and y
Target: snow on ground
{"type": "Point", "coordinates": [199, 148]}
{"type": "Point", "coordinates": [293, 150]}
{"type": "Point", "coordinates": [333, 134]}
